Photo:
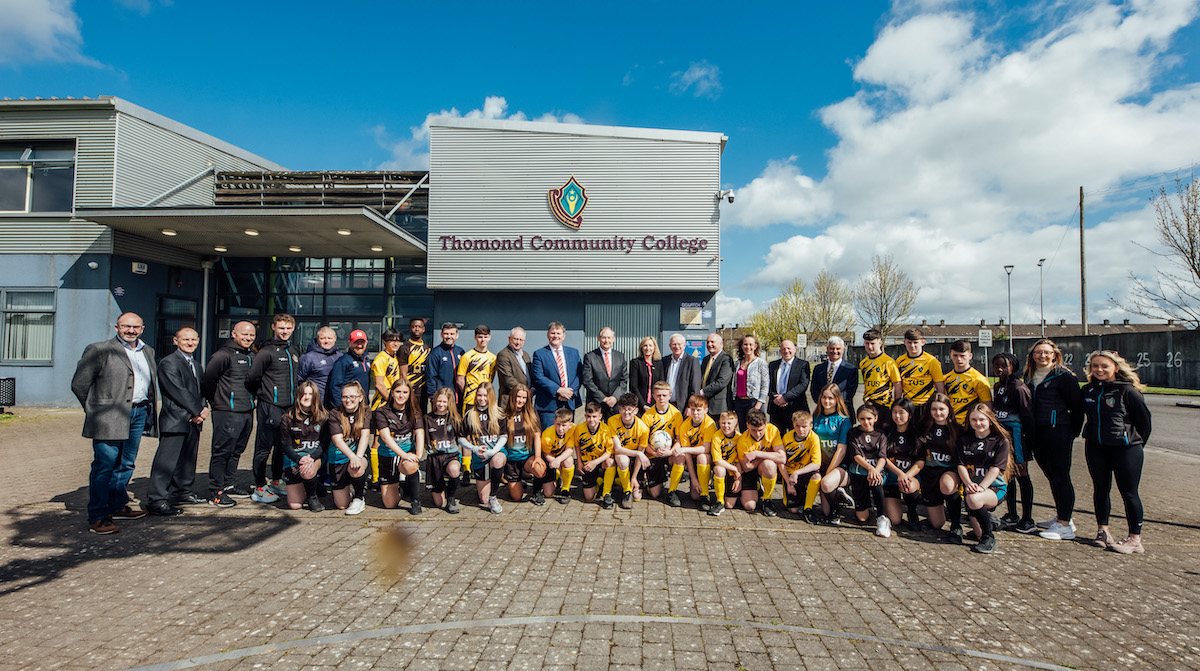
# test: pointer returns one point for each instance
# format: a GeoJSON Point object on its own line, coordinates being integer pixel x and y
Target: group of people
{"type": "Point", "coordinates": [335, 424]}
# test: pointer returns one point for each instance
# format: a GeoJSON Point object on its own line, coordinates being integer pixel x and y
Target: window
{"type": "Point", "coordinates": [27, 333]}
{"type": "Point", "coordinates": [37, 176]}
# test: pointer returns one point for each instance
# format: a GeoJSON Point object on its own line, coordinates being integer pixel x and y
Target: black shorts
{"type": "Point", "coordinates": [931, 489]}
{"type": "Point", "coordinates": [861, 491]}
{"type": "Point", "coordinates": [590, 478]}
{"type": "Point", "coordinates": [389, 470]}
{"type": "Point", "coordinates": [749, 480]}
{"type": "Point", "coordinates": [892, 492]}
{"type": "Point", "coordinates": [436, 465]}
{"type": "Point", "coordinates": [658, 472]}
{"type": "Point", "coordinates": [514, 471]}
{"type": "Point", "coordinates": [339, 476]}
{"type": "Point", "coordinates": [480, 471]}
{"type": "Point", "coordinates": [291, 476]}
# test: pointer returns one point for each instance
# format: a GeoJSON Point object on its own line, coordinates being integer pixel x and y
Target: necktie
{"type": "Point", "coordinates": [832, 367]}
{"type": "Point", "coordinates": [783, 376]}
{"type": "Point", "coordinates": [708, 368]}
{"type": "Point", "coordinates": [562, 366]}
{"type": "Point", "coordinates": [607, 364]}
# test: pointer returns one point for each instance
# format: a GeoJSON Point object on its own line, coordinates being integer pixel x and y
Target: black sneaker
{"type": "Point", "coordinates": [1007, 522]}
{"type": "Point", "coordinates": [188, 499]}
{"type": "Point", "coordinates": [315, 505]}
{"type": "Point", "coordinates": [956, 535]}
{"type": "Point", "coordinates": [537, 498]}
{"type": "Point", "coordinates": [607, 502]}
{"type": "Point", "coordinates": [221, 500]}
{"type": "Point", "coordinates": [985, 546]}
{"type": "Point", "coordinates": [673, 499]}
{"type": "Point", "coordinates": [1026, 526]}
{"type": "Point", "coordinates": [847, 500]}
{"type": "Point", "coordinates": [237, 492]}
{"type": "Point", "coordinates": [415, 508]}
{"type": "Point", "coordinates": [563, 497]}
{"type": "Point", "coordinates": [715, 511]}
{"type": "Point", "coordinates": [833, 519]}
{"type": "Point", "coordinates": [768, 509]}
{"type": "Point", "coordinates": [626, 501]}
{"type": "Point", "coordinates": [815, 516]}
{"type": "Point", "coordinates": [913, 525]}
{"type": "Point", "coordinates": [452, 506]}
{"type": "Point", "coordinates": [704, 504]}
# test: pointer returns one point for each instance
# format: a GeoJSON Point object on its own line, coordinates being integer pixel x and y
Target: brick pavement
{"type": "Point", "coordinates": [571, 587]}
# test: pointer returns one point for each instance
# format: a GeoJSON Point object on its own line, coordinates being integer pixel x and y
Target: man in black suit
{"type": "Point", "coordinates": [836, 370]}
{"type": "Point", "coordinates": [605, 375]}
{"type": "Point", "coordinates": [183, 412]}
{"type": "Point", "coordinates": [718, 368]}
{"type": "Point", "coordinates": [512, 366]}
{"type": "Point", "coordinates": [681, 370]}
{"type": "Point", "coordinates": [789, 382]}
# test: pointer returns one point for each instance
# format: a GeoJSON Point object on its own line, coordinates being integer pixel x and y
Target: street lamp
{"type": "Point", "coordinates": [1041, 297]}
{"type": "Point", "coordinates": [1009, 269]}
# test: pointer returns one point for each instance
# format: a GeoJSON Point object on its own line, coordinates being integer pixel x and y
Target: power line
{"type": "Point", "coordinates": [1141, 182]}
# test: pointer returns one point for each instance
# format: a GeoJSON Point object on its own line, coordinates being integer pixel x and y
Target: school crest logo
{"type": "Point", "coordinates": [567, 203]}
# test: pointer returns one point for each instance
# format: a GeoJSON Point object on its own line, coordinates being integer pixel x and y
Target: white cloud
{"type": "Point", "coordinates": [701, 77]}
{"type": "Point", "coordinates": [959, 155]}
{"type": "Point", "coordinates": [40, 30]}
{"type": "Point", "coordinates": [412, 153]}
{"type": "Point", "coordinates": [733, 310]}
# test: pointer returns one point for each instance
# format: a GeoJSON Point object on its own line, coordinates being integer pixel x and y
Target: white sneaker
{"type": "Point", "coordinates": [494, 506]}
{"type": "Point", "coordinates": [356, 506]}
{"type": "Point", "coordinates": [1045, 524]}
{"type": "Point", "coordinates": [883, 528]}
{"type": "Point", "coordinates": [1059, 532]}
{"type": "Point", "coordinates": [263, 495]}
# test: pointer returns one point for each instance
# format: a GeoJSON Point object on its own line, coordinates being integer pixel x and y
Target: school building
{"type": "Point", "coordinates": [107, 207]}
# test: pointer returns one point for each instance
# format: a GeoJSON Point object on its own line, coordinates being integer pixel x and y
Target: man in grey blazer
{"type": "Point", "coordinates": [716, 376]}
{"type": "Point", "coordinates": [512, 366]}
{"type": "Point", "coordinates": [681, 370]}
{"type": "Point", "coordinates": [115, 383]}
{"type": "Point", "coordinates": [604, 373]}
{"type": "Point", "coordinates": [183, 413]}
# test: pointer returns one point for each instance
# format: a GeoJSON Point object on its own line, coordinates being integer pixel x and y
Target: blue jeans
{"type": "Point", "coordinates": [112, 467]}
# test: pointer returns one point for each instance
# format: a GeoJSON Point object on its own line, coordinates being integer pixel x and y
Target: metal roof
{"type": "Point", "coordinates": [704, 137]}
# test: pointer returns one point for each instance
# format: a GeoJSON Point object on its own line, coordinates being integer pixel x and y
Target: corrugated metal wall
{"type": "Point", "coordinates": [490, 183]}
{"type": "Point", "coordinates": [629, 322]}
{"type": "Point", "coordinates": [95, 133]}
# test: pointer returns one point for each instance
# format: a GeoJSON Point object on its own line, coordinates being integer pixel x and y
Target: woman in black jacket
{"type": "Point", "coordinates": [644, 370]}
{"type": "Point", "coordinates": [1118, 426]}
{"type": "Point", "coordinates": [1057, 418]}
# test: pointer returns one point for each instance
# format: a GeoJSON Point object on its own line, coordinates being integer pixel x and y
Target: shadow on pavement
{"type": "Point", "coordinates": [64, 532]}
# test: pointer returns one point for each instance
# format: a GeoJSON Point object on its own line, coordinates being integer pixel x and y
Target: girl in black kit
{"type": "Point", "coordinates": [444, 465]}
{"type": "Point", "coordinates": [869, 448]}
{"type": "Point", "coordinates": [1057, 418]}
{"type": "Point", "coordinates": [482, 435]}
{"type": "Point", "coordinates": [349, 430]}
{"type": "Point", "coordinates": [1118, 426]}
{"type": "Point", "coordinates": [300, 436]}
{"type": "Point", "coordinates": [1012, 402]}
{"type": "Point", "coordinates": [905, 461]}
{"type": "Point", "coordinates": [400, 445]}
{"type": "Point", "coordinates": [983, 462]}
{"type": "Point", "coordinates": [938, 441]}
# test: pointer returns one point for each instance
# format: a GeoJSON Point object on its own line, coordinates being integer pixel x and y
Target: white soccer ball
{"type": "Point", "coordinates": [660, 440]}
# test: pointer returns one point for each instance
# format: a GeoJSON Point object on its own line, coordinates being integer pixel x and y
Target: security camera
{"type": "Point", "coordinates": [727, 193]}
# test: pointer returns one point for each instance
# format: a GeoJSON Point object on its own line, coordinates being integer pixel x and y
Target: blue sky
{"type": "Point", "coordinates": [954, 136]}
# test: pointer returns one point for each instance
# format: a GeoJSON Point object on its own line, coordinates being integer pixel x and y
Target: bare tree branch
{"type": "Point", "coordinates": [884, 298]}
{"type": "Point", "coordinates": [1173, 292]}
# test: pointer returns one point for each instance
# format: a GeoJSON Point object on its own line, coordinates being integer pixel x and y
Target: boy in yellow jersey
{"type": "Point", "coordinates": [594, 444]}
{"type": "Point", "coordinates": [412, 357]}
{"type": "Point", "coordinates": [802, 467]}
{"type": "Point", "coordinates": [693, 440]}
{"type": "Point", "coordinates": [920, 371]}
{"type": "Point", "coordinates": [964, 385]}
{"type": "Point", "coordinates": [662, 416]}
{"type": "Point", "coordinates": [727, 476]}
{"type": "Point", "coordinates": [476, 366]}
{"type": "Point", "coordinates": [761, 448]}
{"type": "Point", "coordinates": [633, 438]}
{"type": "Point", "coordinates": [881, 378]}
{"type": "Point", "coordinates": [560, 461]}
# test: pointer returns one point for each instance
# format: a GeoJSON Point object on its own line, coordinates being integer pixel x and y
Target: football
{"type": "Point", "coordinates": [660, 440]}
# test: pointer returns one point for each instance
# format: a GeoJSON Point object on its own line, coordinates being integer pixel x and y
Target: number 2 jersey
{"type": "Point", "coordinates": [981, 454]}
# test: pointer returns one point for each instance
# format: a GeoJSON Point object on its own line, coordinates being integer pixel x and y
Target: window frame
{"type": "Point", "coordinates": [5, 311]}
{"type": "Point", "coordinates": [30, 163]}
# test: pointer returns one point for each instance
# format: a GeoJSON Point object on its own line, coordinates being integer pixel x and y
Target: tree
{"type": "Point", "coordinates": [829, 311]}
{"type": "Point", "coordinates": [782, 319]}
{"type": "Point", "coordinates": [884, 297]}
{"type": "Point", "coordinates": [1173, 292]}
{"type": "Point", "coordinates": [820, 312]}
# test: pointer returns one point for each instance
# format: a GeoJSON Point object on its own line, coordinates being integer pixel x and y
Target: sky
{"type": "Point", "coordinates": [954, 136]}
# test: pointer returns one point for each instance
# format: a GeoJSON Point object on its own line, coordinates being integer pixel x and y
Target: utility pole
{"type": "Point", "coordinates": [1042, 297]}
{"type": "Point", "coordinates": [1082, 269]}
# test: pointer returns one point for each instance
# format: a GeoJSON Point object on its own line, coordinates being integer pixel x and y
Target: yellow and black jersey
{"type": "Point", "coordinates": [554, 445]}
{"type": "Point", "coordinates": [385, 367]}
{"type": "Point", "coordinates": [879, 375]}
{"type": "Point", "coordinates": [690, 435]}
{"type": "Point", "coordinates": [591, 445]}
{"type": "Point", "coordinates": [725, 447]}
{"type": "Point", "coordinates": [476, 368]}
{"type": "Point", "coordinates": [634, 437]}
{"type": "Point", "coordinates": [667, 421]}
{"type": "Point", "coordinates": [770, 442]}
{"type": "Point", "coordinates": [414, 354]}
{"type": "Point", "coordinates": [801, 453]}
{"type": "Point", "coordinates": [919, 376]}
{"type": "Point", "coordinates": [965, 390]}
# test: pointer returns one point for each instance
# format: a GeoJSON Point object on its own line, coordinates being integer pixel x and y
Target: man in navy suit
{"type": "Point", "coordinates": [681, 370]}
{"type": "Point", "coordinates": [717, 371]}
{"type": "Point", "coordinates": [835, 371]}
{"type": "Point", "coordinates": [789, 381]}
{"type": "Point", "coordinates": [555, 375]}
{"type": "Point", "coordinates": [605, 375]}
{"type": "Point", "coordinates": [183, 413]}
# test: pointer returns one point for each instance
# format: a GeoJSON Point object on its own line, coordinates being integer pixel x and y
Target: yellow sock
{"type": "Point", "coordinates": [719, 485]}
{"type": "Point", "coordinates": [784, 496]}
{"type": "Point", "coordinates": [466, 462]}
{"type": "Point", "coordinates": [768, 485]}
{"type": "Point", "coordinates": [676, 476]}
{"type": "Point", "coordinates": [374, 466]}
{"type": "Point", "coordinates": [814, 488]}
{"type": "Point", "coordinates": [704, 475]}
{"type": "Point", "coordinates": [623, 476]}
{"type": "Point", "coordinates": [609, 474]}
{"type": "Point", "coordinates": [568, 474]}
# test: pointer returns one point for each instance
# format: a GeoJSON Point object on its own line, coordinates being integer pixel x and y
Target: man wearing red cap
{"type": "Point", "coordinates": [354, 367]}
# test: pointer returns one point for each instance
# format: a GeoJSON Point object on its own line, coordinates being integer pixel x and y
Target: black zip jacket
{"type": "Point", "coordinates": [1057, 401]}
{"type": "Point", "coordinates": [1012, 400]}
{"type": "Point", "coordinates": [224, 382]}
{"type": "Point", "coordinates": [273, 374]}
{"type": "Point", "coordinates": [1116, 414]}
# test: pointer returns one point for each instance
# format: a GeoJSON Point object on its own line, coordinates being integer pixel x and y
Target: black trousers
{"type": "Point", "coordinates": [1052, 450]}
{"type": "Point", "coordinates": [231, 432]}
{"type": "Point", "coordinates": [174, 468]}
{"type": "Point", "coordinates": [1124, 464]}
{"type": "Point", "coordinates": [267, 443]}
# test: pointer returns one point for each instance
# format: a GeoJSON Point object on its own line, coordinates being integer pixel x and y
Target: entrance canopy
{"type": "Point", "coordinates": [312, 231]}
